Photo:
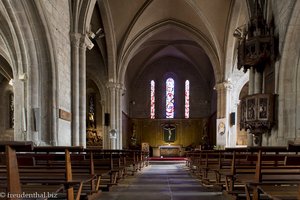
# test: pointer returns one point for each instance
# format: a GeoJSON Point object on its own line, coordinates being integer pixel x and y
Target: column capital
{"type": "Point", "coordinates": [81, 40]}
{"type": "Point", "coordinates": [225, 85]}
{"type": "Point", "coordinates": [114, 85]}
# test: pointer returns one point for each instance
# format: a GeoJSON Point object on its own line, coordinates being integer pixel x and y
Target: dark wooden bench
{"type": "Point", "coordinates": [44, 168]}
{"type": "Point", "coordinates": [237, 167]}
{"type": "Point", "coordinates": [11, 182]}
{"type": "Point", "coordinates": [280, 182]}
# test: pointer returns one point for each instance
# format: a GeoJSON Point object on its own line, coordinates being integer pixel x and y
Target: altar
{"type": "Point", "coordinates": [170, 151]}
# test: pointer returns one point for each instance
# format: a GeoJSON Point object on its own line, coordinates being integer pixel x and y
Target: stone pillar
{"type": "Point", "coordinates": [250, 92]}
{"type": "Point", "coordinates": [221, 100]}
{"type": "Point", "coordinates": [75, 41]}
{"type": "Point", "coordinates": [255, 87]}
{"type": "Point", "coordinates": [82, 89]}
{"type": "Point", "coordinates": [230, 139]}
{"type": "Point", "coordinates": [251, 81]}
{"type": "Point", "coordinates": [258, 78]}
{"type": "Point", "coordinates": [20, 114]}
{"type": "Point", "coordinates": [115, 111]}
{"type": "Point", "coordinates": [119, 93]}
{"type": "Point", "coordinates": [258, 82]}
{"type": "Point", "coordinates": [222, 95]}
{"type": "Point", "coordinates": [112, 110]}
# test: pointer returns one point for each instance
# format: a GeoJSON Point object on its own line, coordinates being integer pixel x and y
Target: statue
{"type": "Point", "coordinates": [91, 123]}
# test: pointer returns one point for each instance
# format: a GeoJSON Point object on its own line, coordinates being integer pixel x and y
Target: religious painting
{"type": "Point", "coordinates": [169, 133]}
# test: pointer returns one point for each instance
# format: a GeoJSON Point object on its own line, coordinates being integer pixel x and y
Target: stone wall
{"type": "Point", "coordinates": [57, 12]}
{"type": "Point", "coordinates": [287, 85]}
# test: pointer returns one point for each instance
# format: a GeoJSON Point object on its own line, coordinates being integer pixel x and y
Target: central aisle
{"type": "Point", "coordinates": [161, 181]}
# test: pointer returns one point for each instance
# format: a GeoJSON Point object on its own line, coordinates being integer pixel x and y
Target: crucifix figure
{"type": "Point", "coordinates": [169, 129]}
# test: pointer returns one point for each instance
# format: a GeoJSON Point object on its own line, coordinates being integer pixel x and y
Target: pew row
{"type": "Point", "coordinates": [250, 173]}
{"type": "Point", "coordinates": [67, 172]}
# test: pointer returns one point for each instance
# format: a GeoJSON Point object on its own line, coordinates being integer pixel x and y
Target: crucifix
{"type": "Point", "coordinates": [169, 132]}
{"type": "Point", "coordinates": [169, 129]}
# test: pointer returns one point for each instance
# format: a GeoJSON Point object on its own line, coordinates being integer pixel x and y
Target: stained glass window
{"type": "Point", "coordinates": [152, 107]}
{"type": "Point", "coordinates": [170, 98]}
{"type": "Point", "coordinates": [187, 99]}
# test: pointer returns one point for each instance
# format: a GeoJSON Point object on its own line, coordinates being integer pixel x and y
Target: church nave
{"type": "Point", "coordinates": [162, 181]}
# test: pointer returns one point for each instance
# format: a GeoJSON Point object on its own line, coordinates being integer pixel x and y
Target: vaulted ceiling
{"type": "Point", "coordinates": [140, 32]}
{"type": "Point", "coordinates": [192, 30]}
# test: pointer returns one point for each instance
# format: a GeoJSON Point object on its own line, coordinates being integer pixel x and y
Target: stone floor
{"type": "Point", "coordinates": [161, 181]}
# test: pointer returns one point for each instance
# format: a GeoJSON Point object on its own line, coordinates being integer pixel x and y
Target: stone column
{"type": "Point", "coordinates": [251, 81]}
{"type": "Point", "coordinates": [75, 41]}
{"type": "Point", "coordinates": [118, 116]}
{"type": "Point", "coordinates": [20, 116]}
{"type": "Point", "coordinates": [221, 109]}
{"type": "Point", "coordinates": [258, 78]}
{"type": "Point", "coordinates": [112, 86]}
{"type": "Point", "coordinates": [250, 92]}
{"type": "Point", "coordinates": [221, 100]}
{"type": "Point", "coordinates": [120, 92]}
{"type": "Point", "coordinates": [82, 89]}
{"type": "Point", "coordinates": [116, 91]}
{"type": "Point", "coordinates": [230, 141]}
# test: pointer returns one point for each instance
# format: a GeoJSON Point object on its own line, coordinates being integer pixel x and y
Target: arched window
{"type": "Point", "coordinates": [170, 84]}
{"type": "Point", "coordinates": [187, 99]}
{"type": "Point", "coordinates": [152, 99]}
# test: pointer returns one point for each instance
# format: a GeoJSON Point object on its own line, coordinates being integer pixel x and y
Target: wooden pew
{"type": "Point", "coordinates": [235, 165]}
{"type": "Point", "coordinates": [71, 172]}
{"type": "Point", "coordinates": [280, 182]}
{"type": "Point", "coordinates": [13, 187]}
{"type": "Point", "coordinates": [70, 162]}
{"type": "Point", "coordinates": [52, 166]}
{"type": "Point", "coordinates": [263, 164]}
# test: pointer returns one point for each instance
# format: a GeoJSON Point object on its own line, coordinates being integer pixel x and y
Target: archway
{"type": "Point", "coordinates": [6, 109]}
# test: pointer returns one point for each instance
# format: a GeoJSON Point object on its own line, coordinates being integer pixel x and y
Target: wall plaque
{"type": "Point", "coordinates": [65, 115]}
